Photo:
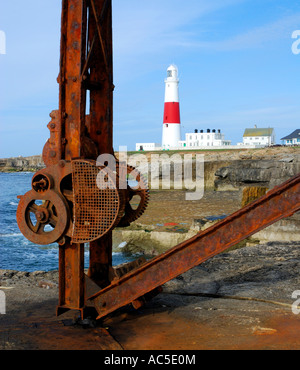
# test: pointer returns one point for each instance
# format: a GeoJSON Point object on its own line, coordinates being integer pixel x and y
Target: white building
{"type": "Point", "coordinates": [259, 137]}
{"type": "Point", "coordinates": [147, 147]}
{"type": "Point", "coordinates": [201, 139]}
{"type": "Point", "coordinates": [292, 139]}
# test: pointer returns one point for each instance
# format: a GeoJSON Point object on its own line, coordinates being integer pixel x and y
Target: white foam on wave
{"type": "Point", "coordinates": [10, 235]}
{"type": "Point", "coordinates": [23, 173]}
{"type": "Point", "coordinates": [122, 245]}
{"type": "Point", "coordinates": [13, 203]}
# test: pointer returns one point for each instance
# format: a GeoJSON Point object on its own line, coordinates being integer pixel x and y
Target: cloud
{"type": "Point", "coordinates": [143, 27]}
{"type": "Point", "coordinates": [255, 38]}
{"type": "Point", "coordinates": [233, 120]}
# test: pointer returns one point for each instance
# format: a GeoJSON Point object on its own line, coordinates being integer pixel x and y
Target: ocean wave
{"type": "Point", "coordinates": [122, 245]}
{"type": "Point", "coordinates": [10, 235]}
{"type": "Point", "coordinates": [21, 173]}
{"type": "Point", "coordinates": [13, 203]}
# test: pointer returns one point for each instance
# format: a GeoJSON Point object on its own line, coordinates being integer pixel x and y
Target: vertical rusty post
{"type": "Point", "coordinates": [86, 64]}
{"type": "Point", "coordinates": [72, 106]}
{"type": "Point", "coordinates": [71, 278]}
{"type": "Point", "coordinates": [101, 118]}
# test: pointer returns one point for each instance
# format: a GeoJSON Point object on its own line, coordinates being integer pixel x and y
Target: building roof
{"type": "Point", "coordinates": [293, 135]}
{"type": "Point", "coordinates": [250, 132]}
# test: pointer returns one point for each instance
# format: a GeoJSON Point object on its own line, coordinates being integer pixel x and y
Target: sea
{"type": "Point", "coordinates": [16, 252]}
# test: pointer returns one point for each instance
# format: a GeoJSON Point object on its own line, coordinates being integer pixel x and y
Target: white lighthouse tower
{"type": "Point", "coordinates": [171, 123]}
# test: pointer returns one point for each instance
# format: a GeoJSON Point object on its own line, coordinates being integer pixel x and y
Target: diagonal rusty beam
{"type": "Point", "coordinates": [98, 21]}
{"type": "Point", "coordinates": [98, 35]}
{"type": "Point", "coordinates": [281, 202]}
{"type": "Point", "coordinates": [88, 59]}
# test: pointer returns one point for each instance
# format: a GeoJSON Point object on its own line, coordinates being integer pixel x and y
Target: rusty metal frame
{"type": "Point", "coordinates": [86, 64]}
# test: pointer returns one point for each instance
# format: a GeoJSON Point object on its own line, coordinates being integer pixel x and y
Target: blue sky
{"type": "Point", "coordinates": [235, 63]}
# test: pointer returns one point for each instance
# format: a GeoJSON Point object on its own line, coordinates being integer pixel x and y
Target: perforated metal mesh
{"type": "Point", "coordinates": [96, 202]}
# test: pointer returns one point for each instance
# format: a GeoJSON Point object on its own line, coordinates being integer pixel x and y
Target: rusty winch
{"type": "Point", "coordinates": [80, 198]}
{"type": "Point", "coordinates": [75, 199]}
{"type": "Point", "coordinates": [70, 199]}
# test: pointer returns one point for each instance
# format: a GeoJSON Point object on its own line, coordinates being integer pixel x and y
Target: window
{"type": "Point", "coordinates": [170, 74]}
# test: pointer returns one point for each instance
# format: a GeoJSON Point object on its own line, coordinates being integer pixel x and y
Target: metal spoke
{"type": "Point", "coordinates": [37, 227]}
{"type": "Point", "coordinates": [33, 208]}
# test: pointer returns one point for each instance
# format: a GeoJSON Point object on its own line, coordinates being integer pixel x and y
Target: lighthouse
{"type": "Point", "coordinates": [171, 122]}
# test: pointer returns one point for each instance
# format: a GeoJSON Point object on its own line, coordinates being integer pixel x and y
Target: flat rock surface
{"type": "Point", "coordinates": [237, 300]}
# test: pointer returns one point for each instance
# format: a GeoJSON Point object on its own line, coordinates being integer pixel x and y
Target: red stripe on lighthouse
{"type": "Point", "coordinates": [172, 113]}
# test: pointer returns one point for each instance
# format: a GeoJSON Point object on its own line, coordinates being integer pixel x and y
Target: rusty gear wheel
{"type": "Point", "coordinates": [139, 193]}
{"type": "Point", "coordinates": [42, 218]}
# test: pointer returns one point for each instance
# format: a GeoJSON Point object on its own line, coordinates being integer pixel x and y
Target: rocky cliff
{"type": "Point", "coordinates": [223, 170]}
{"type": "Point", "coordinates": [34, 163]}
{"type": "Point", "coordinates": [264, 172]}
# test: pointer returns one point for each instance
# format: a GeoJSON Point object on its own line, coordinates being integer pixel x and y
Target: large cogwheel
{"type": "Point", "coordinates": [137, 196]}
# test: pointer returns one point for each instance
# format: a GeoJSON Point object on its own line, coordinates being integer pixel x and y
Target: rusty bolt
{"type": "Point", "coordinates": [62, 241]}
{"type": "Point", "coordinates": [52, 125]}
{"type": "Point", "coordinates": [74, 79]}
{"type": "Point", "coordinates": [62, 164]}
{"type": "Point", "coordinates": [52, 154]}
{"type": "Point", "coordinates": [39, 215]}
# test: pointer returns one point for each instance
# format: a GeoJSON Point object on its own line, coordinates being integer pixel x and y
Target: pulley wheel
{"type": "Point", "coordinates": [42, 218]}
